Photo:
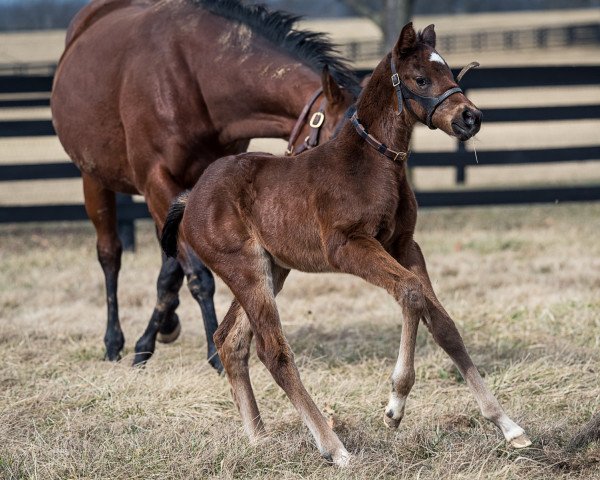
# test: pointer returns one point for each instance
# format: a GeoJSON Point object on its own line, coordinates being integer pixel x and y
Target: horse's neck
{"type": "Point", "coordinates": [377, 111]}
{"type": "Point", "coordinates": [263, 97]}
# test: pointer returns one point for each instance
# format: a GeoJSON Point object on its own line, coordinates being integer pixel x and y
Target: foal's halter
{"type": "Point", "coordinates": [315, 123]}
{"type": "Point", "coordinates": [430, 104]}
{"type": "Point", "coordinates": [402, 91]}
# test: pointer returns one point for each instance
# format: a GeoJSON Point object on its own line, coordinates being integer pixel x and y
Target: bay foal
{"type": "Point", "coordinates": [345, 206]}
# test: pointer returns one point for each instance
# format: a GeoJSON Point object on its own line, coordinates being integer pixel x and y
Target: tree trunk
{"type": "Point", "coordinates": [397, 13]}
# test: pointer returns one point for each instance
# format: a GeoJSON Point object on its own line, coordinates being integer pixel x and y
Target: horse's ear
{"type": "Point", "coordinates": [407, 40]}
{"type": "Point", "coordinates": [331, 90]}
{"type": "Point", "coordinates": [428, 35]}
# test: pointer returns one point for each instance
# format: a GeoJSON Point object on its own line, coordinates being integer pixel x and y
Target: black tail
{"type": "Point", "coordinates": [170, 231]}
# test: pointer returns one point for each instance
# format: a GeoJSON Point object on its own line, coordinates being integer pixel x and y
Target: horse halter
{"type": "Point", "coordinates": [315, 123]}
{"type": "Point", "coordinates": [430, 104]}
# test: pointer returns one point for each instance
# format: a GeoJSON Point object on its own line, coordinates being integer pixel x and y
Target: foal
{"type": "Point", "coordinates": [345, 206]}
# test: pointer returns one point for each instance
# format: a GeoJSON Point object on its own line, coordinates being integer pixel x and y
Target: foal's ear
{"type": "Point", "coordinates": [428, 35]}
{"type": "Point", "coordinates": [331, 90]}
{"type": "Point", "coordinates": [407, 40]}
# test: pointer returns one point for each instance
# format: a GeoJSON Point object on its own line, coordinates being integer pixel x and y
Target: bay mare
{"type": "Point", "coordinates": [345, 206]}
{"type": "Point", "coordinates": [148, 93]}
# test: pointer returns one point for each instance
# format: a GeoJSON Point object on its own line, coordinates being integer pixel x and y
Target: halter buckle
{"type": "Point", "coordinates": [289, 151]}
{"type": "Point", "coordinates": [395, 80]}
{"type": "Point", "coordinates": [317, 119]}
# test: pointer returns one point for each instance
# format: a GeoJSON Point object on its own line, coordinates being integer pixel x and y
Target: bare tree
{"type": "Point", "coordinates": [389, 15]}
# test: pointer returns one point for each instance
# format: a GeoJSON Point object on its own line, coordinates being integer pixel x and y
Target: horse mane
{"type": "Point", "coordinates": [312, 48]}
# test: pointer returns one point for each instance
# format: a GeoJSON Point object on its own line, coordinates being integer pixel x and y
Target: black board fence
{"type": "Point", "coordinates": [460, 159]}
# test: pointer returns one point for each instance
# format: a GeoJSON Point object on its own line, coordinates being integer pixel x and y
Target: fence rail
{"type": "Point", "coordinates": [491, 78]}
{"type": "Point", "coordinates": [492, 40]}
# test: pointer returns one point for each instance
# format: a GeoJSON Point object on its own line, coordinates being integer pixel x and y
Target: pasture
{"type": "Point", "coordinates": [521, 283]}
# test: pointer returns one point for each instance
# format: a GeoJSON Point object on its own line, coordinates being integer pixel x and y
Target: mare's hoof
{"type": "Point", "coordinates": [170, 330]}
{"type": "Point", "coordinates": [141, 358]}
{"type": "Point", "coordinates": [215, 362]}
{"type": "Point", "coordinates": [112, 355]}
{"type": "Point", "coordinates": [522, 441]}
{"type": "Point", "coordinates": [390, 421]}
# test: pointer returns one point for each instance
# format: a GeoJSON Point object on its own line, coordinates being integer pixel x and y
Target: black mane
{"type": "Point", "coordinates": [312, 48]}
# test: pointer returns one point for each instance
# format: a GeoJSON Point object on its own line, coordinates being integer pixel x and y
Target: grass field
{"type": "Point", "coordinates": [522, 284]}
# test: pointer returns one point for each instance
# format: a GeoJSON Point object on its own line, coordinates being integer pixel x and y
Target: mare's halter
{"type": "Point", "coordinates": [315, 123]}
{"type": "Point", "coordinates": [430, 104]}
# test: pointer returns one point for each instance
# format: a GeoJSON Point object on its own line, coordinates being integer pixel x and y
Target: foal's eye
{"type": "Point", "coordinates": [421, 81]}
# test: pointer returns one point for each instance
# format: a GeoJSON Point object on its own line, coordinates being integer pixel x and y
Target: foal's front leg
{"type": "Point", "coordinates": [366, 258]}
{"type": "Point", "coordinates": [447, 336]}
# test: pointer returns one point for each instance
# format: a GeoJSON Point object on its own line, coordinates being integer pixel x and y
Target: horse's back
{"type": "Point", "coordinates": [89, 14]}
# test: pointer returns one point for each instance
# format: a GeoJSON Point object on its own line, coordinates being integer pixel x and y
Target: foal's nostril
{"type": "Point", "coordinates": [468, 117]}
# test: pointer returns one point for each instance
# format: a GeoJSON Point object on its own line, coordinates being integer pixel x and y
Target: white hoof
{"type": "Point", "coordinates": [342, 458]}
{"type": "Point", "coordinates": [522, 441]}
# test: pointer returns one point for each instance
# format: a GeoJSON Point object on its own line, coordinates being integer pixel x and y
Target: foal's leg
{"type": "Point", "coordinates": [100, 206]}
{"type": "Point", "coordinates": [447, 336]}
{"type": "Point", "coordinates": [164, 319]}
{"type": "Point", "coordinates": [366, 258]}
{"type": "Point", "coordinates": [254, 291]}
{"type": "Point", "coordinates": [233, 339]}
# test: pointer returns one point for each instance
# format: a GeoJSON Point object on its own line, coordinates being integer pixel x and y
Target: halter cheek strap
{"type": "Point", "coordinates": [430, 104]}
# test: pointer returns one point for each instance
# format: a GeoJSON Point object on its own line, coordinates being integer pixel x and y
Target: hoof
{"type": "Point", "coordinates": [390, 421]}
{"type": "Point", "coordinates": [215, 362]}
{"type": "Point", "coordinates": [112, 356]}
{"type": "Point", "coordinates": [341, 458]}
{"type": "Point", "coordinates": [522, 441]}
{"type": "Point", "coordinates": [141, 358]}
{"type": "Point", "coordinates": [169, 332]}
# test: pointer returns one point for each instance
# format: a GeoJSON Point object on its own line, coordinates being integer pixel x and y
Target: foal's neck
{"type": "Point", "coordinates": [377, 110]}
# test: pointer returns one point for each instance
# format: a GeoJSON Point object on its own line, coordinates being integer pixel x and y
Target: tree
{"type": "Point", "coordinates": [389, 15]}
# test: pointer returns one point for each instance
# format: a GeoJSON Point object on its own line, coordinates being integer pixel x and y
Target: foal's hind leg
{"type": "Point", "coordinates": [164, 317]}
{"type": "Point", "coordinates": [233, 339]}
{"type": "Point", "coordinates": [100, 206]}
{"type": "Point", "coordinates": [252, 288]}
{"type": "Point", "coordinates": [447, 336]}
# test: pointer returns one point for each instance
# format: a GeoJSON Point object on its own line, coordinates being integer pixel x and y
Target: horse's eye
{"type": "Point", "coordinates": [421, 81]}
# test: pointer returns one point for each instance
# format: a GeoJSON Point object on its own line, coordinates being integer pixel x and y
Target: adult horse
{"type": "Point", "coordinates": [353, 211]}
{"type": "Point", "coordinates": [148, 93]}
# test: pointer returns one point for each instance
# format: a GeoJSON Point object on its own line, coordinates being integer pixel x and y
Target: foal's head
{"type": "Point", "coordinates": [429, 91]}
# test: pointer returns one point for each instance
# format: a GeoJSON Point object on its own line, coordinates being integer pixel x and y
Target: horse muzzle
{"type": "Point", "coordinates": [467, 123]}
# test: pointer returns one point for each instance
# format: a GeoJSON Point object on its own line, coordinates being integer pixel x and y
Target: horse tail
{"type": "Point", "coordinates": [170, 231]}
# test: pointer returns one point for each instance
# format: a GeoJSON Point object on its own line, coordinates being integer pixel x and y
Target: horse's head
{"type": "Point", "coordinates": [426, 88]}
{"type": "Point", "coordinates": [325, 115]}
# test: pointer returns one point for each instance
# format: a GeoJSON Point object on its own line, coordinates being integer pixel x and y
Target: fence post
{"type": "Point", "coordinates": [125, 225]}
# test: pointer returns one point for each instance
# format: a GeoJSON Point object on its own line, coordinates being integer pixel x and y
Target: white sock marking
{"type": "Point", "coordinates": [396, 405]}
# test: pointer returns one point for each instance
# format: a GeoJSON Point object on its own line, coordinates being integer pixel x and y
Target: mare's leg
{"type": "Point", "coordinates": [164, 319]}
{"type": "Point", "coordinates": [100, 206]}
{"type": "Point", "coordinates": [160, 190]}
{"type": "Point", "coordinates": [201, 284]}
{"type": "Point", "coordinates": [251, 281]}
{"type": "Point", "coordinates": [233, 339]}
{"type": "Point", "coordinates": [447, 336]}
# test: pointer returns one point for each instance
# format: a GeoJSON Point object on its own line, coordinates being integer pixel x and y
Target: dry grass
{"type": "Point", "coordinates": [522, 284]}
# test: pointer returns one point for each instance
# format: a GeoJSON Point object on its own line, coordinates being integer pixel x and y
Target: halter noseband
{"type": "Point", "coordinates": [315, 123]}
